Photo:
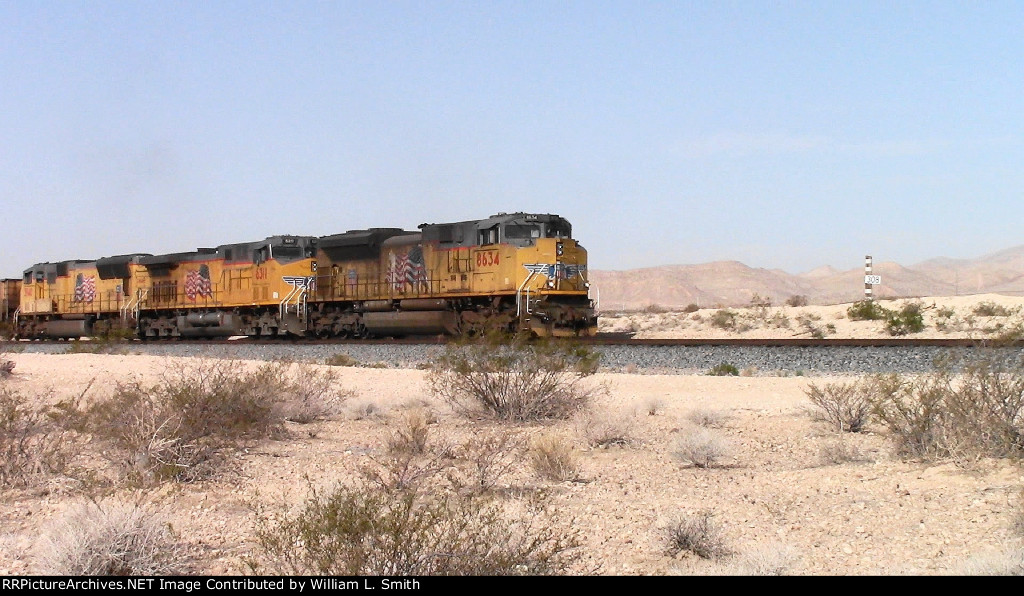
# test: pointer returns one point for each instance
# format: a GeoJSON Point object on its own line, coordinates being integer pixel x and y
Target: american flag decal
{"type": "Point", "coordinates": [85, 288]}
{"type": "Point", "coordinates": [557, 271]}
{"type": "Point", "coordinates": [297, 281]}
{"type": "Point", "coordinates": [406, 269]}
{"type": "Point", "coordinates": [197, 283]}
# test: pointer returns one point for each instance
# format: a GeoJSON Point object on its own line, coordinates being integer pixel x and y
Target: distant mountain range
{"type": "Point", "coordinates": [731, 283]}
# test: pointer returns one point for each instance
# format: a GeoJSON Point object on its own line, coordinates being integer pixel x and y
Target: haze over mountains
{"type": "Point", "coordinates": [731, 283]}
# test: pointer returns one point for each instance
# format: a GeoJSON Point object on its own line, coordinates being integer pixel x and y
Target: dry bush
{"type": "Point", "coordinates": [306, 393]}
{"type": "Point", "coordinates": [403, 471]}
{"type": "Point", "coordinates": [965, 409]}
{"type": "Point", "coordinates": [412, 433]}
{"type": "Point", "coordinates": [35, 442]}
{"type": "Point", "coordinates": [767, 560]}
{"type": "Point", "coordinates": [6, 366]}
{"type": "Point", "coordinates": [491, 457]}
{"type": "Point", "coordinates": [1017, 523]}
{"type": "Point", "coordinates": [699, 534]}
{"type": "Point", "coordinates": [514, 379]}
{"type": "Point", "coordinates": [112, 539]}
{"type": "Point", "coordinates": [175, 428]}
{"type": "Point", "coordinates": [653, 406]}
{"type": "Point", "coordinates": [367, 409]}
{"type": "Point", "coordinates": [724, 319]}
{"type": "Point", "coordinates": [724, 369]}
{"type": "Point", "coordinates": [341, 359]}
{"type": "Point", "coordinates": [846, 406]}
{"type": "Point", "coordinates": [707, 417]}
{"type": "Point", "coordinates": [362, 531]}
{"type": "Point", "coordinates": [602, 428]}
{"type": "Point", "coordinates": [553, 458]}
{"type": "Point", "coordinates": [1008, 562]}
{"type": "Point", "coordinates": [702, 447]}
{"type": "Point", "coordinates": [991, 309]}
{"type": "Point", "coordinates": [797, 300]}
{"type": "Point", "coordinates": [839, 451]}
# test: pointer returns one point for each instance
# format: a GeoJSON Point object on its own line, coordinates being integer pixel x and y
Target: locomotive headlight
{"type": "Point", "coordinates": [559, 249]}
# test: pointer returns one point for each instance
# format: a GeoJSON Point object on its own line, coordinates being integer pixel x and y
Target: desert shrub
{"type": "Point", "coordinates": [652, 406]}
{"type": "Point", "coordinates": [112, 539]}
{"type": "Point", "coordinates": [838, 451]}
{"type": "Point", "coordinates": [991, 309]}
{"type": "Point", "coordinates": [367, 409]}
{"type": "Point", "coordinates": [6, 366]}
{"type": "Point", "coordinates": [341, 359]}
{"type": "Point", "coordinates": [797, 300]}
{"type": "Point", "coordinates": [760, 302]}
{"type": "Point", "coordinates": [698, 533]}
{"type": "Point", "coordinates": [766, 560]}
{"type": "Point", "coordinates": [553, 458]}
{"type": "Point", "coordinates": [1008, 562]}
{"type": "Point", "coordinates": [602, 428]}
{"type": "Point", "coordinates": [35, 442]}
{"type": "Point", "coordinates": [690, 308]}
{"type": "Point", "coordinates": [965, 409]}
{"type": "Point", "coordinates": [809, 322]}
{"type": "Point", "coordinates": [514, 379]}
{"type": "Point", "coordinates": [654, 309]}
{"type": "Point", "coordinates": [866, 310]}
{"type": "Point", "coordinates": [1017, 523]}
{"type": "Point", "coordinates": [702, 447]}
{"type": "Point", "coordinates": [846, 406]}
{"type": "Point", "coordinates": [411, 434]}
{"type": "Point", "coordinates": [724, 369]}
{"type": "Point", "coordinates": [906, 320]}
{"type": "Point", "coordinates": [491, 457]}
{"type": "Point", "coordinates": [724, 319]}
{"type": "Point", "coordinates": [402, 471]}
{"type": "Point", "coordinates": [360, 531]}
{"type": "Point", "coordinates": [706, 417]}
{"type": "Point", "coordinates": [174, 428]}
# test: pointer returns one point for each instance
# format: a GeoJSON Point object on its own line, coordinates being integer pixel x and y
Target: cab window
{"type": "Point", "coordinates": [559, 229]}
{"type": "Point", "coordinates": [489, 236]}
{"type": "Point", "coordinates": [287, 252]}
{"type": "Point", "coordinates": [519, 232]}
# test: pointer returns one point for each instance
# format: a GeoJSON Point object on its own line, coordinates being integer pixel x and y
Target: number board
{"type": "Point", "coordinates": [873, 279]}
{"type": "Point", "coordinates": [487, 258]}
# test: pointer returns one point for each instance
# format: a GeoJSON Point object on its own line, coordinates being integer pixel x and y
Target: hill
{"type": "Point", "coordinates": [731, 283]}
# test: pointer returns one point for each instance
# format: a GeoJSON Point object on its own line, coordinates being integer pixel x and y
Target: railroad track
{"type": "Point", "coordinates": [610, 339]}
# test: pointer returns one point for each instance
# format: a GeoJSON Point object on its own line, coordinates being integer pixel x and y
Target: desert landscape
{"type": "Point", "coordinates": [782, 492]}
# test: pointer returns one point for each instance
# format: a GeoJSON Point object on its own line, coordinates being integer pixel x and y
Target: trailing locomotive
{"type": "Point", "coordinates": [517, 271]}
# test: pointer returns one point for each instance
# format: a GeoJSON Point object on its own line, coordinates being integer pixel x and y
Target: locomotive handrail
{"type": "Point", "coordinates": [299, 293]}
{"type": "Point", "coordinates": [519, 294]}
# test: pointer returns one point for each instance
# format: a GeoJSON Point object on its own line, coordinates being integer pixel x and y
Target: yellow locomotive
{"type": "Point", "coordinates": [514, 271]}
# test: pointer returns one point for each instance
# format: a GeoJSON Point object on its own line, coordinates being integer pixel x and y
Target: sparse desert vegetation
{"type": "Point", "coordinates": [379, 471]}
{"type": "Point", "coordinates": [986, 317]}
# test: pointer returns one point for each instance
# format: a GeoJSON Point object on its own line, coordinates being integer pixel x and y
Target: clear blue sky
{"type": "Point", "coordinates": [781, 134]}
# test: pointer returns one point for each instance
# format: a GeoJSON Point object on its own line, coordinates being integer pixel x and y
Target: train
{"type": "Point", "coordinates": [515, 272]}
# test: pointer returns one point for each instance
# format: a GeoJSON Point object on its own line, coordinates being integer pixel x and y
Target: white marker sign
{"type": "Point", "coordinates": [873, 279]}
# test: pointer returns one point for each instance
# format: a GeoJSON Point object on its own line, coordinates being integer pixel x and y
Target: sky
{"type": "Point", "coordinates": [782, 134]}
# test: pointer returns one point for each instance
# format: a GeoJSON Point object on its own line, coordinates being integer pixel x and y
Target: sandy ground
{"type": "Point", "coordinates": [774, 497]}
{"type": "Point", "coordinates": [944, 317]}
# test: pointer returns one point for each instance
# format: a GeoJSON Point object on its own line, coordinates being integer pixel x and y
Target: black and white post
{"type": "Point", "coordinates": [869, 279]}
